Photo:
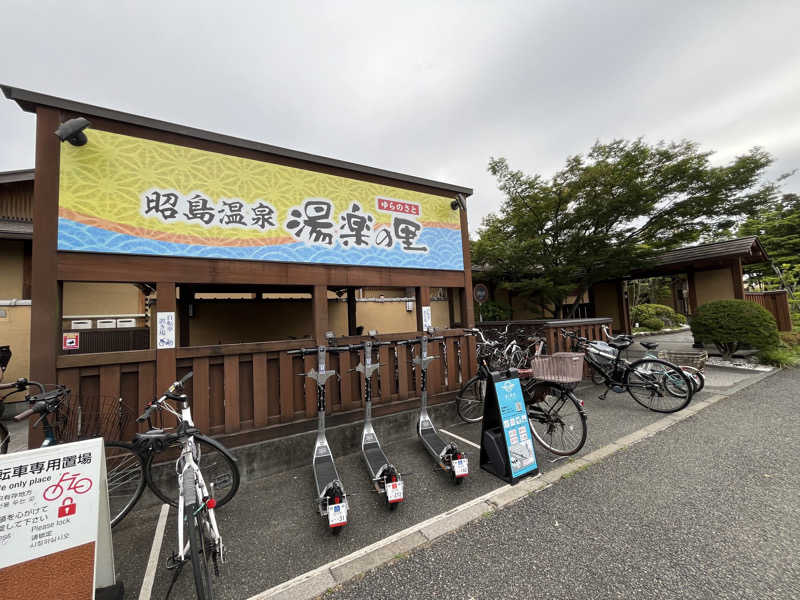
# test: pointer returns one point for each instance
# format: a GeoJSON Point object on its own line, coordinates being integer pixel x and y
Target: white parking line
{"type": "Point", "coordinates": [458, 437]}
{"type": "Point", "coordinates": [155, 551]}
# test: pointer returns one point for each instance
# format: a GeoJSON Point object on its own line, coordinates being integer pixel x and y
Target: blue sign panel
{"type": "Point", "coordinates": [516, 428]}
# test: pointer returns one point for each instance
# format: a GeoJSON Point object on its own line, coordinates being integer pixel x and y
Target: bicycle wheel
{"type": "Point", "coordinates": [557, 419]}
{"type": "Point", "coordinates": [469, 402]}
{"type": "Point", "coordinates": [697, 378]}
{"type": "Point", "coordinates": [198, 552]}
{"type": "Point", "coordinates": [126, 480]}
{"type": "Point", "coordinates": [658, 385]}
{"type": "Point", "coordinates": [216, 464]}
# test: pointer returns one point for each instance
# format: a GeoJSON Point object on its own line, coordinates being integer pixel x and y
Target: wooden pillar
{"type": "Point", "coordinates": [44, 286]}
{"type": "Point", "coordinates": [452, 293]}
{"type": "Point", "coordinates": [351, 311]}
{"type": "Point", "coordinates": [467, 308]}
{"type": "Point", "coordinates": [422, 295]}
{"type": "Point", "coordinates": [319, 314]}
{"type": "Point", "coordinates": [736, 276]}
{"type": "Point", "coordinates": [624, 309]}
{"type": "Point", "coordinates": [692, 293]}
{"type": "Point", "coordinates": [165, 357]}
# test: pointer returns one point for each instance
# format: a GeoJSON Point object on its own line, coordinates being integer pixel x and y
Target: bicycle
{"type": "Point", "coordinates": [557, 417]}
{"type": "Point", "coordinates": [47, 404]}
{"type": "Point", "coordinates": [652, 382]}
{"type": "Point", "coordinates": [199, 540]}
{"type": "Point", "coordinates": [469, 401]}
{"type": "Point", "coordinates": [132, 466]}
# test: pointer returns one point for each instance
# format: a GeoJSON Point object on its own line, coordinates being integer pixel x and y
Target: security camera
{"type": "Point", "coordinates": [458, 203]}
{"type": "Point", "coordinates": [72, 131]}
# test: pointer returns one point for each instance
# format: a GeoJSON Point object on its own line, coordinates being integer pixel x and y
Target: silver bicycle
{"type": "Point", "coordinates": [199, 540]}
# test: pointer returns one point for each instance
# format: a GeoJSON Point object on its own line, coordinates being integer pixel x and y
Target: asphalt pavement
{"type": "Point", "coordinates": [273, 533]}
{"type": "Point", "coordinates": [705, 509]}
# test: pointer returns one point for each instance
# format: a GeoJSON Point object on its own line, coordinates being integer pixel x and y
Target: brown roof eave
{"type": "Point", "coordinates": [28, 101]}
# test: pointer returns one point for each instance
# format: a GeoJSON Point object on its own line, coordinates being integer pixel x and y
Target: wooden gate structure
{"type": "Point", "coordinates": [777, 303]}
{"type": "Point", "coordinates": [246, 391]}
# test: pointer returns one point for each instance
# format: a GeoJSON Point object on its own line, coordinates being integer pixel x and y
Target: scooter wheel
{"type": "Point", "coordinates": [336, 530]}
{"type": "Point", "coordinates": [456, 480]}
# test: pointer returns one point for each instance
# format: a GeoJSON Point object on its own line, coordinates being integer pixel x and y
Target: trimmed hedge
{"type": "Point", "coordinates": [653, 324]}
{"type": "Point", "coordinates": [729, 323]}
{"type": "Point", "coordinates": [655, 314]}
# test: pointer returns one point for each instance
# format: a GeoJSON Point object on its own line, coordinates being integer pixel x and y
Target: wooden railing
{"type": "Point", "coordinates": [240, 388]}
{"type": "Point", "coordinates": [777, 303]}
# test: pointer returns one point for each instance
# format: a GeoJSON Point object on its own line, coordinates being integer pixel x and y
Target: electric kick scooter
{"type": "Point", "coordinates": [331, 497]}
{"type": "Point", "coordinates": [385, 477]}
{"type": "Point", "coordinates": [446, 454]}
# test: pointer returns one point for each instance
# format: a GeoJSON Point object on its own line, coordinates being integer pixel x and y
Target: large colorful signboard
{"type": "Point", "coordinates": [128, 195]}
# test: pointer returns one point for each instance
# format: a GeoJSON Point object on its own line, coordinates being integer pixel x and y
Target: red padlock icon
{"type": "Point", "coordinates": [67, 508]}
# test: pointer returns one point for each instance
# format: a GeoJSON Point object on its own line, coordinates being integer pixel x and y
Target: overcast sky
{"type": "Point", "coordinates": [431, 88]}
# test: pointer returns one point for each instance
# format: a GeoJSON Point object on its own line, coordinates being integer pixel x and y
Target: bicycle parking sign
{"type": "Point", "coordinates": [54, 501]}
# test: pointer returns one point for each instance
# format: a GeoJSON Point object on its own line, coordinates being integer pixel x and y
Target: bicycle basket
{"type": "Point", "coordinates": [565, 368]}
{"type": "Point", "coordinates": [685, 359]}
{"type": "Point", "coordinates": [101, 416]}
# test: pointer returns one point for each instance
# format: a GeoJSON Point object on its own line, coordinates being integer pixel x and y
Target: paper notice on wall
{"type": "Point", "coordinates": [165, 333]}
{"type": "Point", "coordinates": [427, 320]}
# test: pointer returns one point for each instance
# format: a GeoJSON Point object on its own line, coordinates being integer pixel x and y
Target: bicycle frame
{"type": "Point", "coordinates": [185, 462]}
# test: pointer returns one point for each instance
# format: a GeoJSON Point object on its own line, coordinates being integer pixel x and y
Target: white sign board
{"type": "Point", "coordinates": [427, 320]}
{"type": "Point", "coordinates": [54, 499]}
{"type": "Point", "coordinates": [166, 330]}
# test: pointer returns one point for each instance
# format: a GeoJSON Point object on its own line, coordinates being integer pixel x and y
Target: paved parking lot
{"type": "Point", "coordinates": [273, 533]}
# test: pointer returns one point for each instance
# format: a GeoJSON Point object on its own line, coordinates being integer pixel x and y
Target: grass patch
{"type": "Point", "coordinates": [786, 356]}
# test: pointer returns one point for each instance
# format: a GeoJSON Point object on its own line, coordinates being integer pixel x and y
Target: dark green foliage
{"type": "Point", "coordinates": [729, 323]}
{"type": "Point", "coordinates": [661, 312]}
{"type": "Point", "coordinates": [652, 323]}
{"type": "Point", "coordinates": [608, 212]}
{"type": "Point", "coordinates": [777, 225]}
{"type": "Point", "coordinates": [493, 311]}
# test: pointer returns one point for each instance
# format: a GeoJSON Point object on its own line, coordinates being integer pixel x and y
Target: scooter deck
{"type": "Point", "coordinates": [324, 471]}
{"type": "Point", "coordinates": [375, 457]}
{"type": "Point", "coordinates": [433, 441]}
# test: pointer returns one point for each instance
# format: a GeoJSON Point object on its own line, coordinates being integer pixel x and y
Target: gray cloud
{"type": "Point", "coordinates": [429, 89]}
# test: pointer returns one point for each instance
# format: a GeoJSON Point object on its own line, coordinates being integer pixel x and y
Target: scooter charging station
{"type": "Point", "coordinates": [507, 448]}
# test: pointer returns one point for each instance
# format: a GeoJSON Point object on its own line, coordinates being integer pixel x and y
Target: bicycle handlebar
{"type": "Point", "coordinates": [38, 407]}
{"type": "Point", "coordinates": [304, 351]}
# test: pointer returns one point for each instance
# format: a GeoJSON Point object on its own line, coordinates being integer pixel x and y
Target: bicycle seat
{"type": "Point", "coordinates": [649, 345]}
{"type": "Point", "coordinates": [619, 342]}
{"type": "Point", "coordinates": [152, 434]}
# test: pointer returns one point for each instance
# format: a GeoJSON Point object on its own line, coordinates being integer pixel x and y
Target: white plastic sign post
{"type": "Point", "coordinates": [166, 330]}
{"type": "Point", "coordinates": [427, 320]}
{"type": "Point", "coordinates": [54, 501]}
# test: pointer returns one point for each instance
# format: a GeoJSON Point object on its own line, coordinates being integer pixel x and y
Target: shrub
{"type": "Point", "coordinates": [790, 338]}
{"type": "Point", "coordinates": [779, 357]}
{"type": "Point", "coordinates": [643, 312]}
{"type": "Point", "coordinates": [652, 324]}
{"type": "Point", "coordinates": [494, 311]}
{"type": "Point", "coordinates": [729, 323]}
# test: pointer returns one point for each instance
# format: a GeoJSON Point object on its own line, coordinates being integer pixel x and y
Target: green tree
{"type": "Point", "coordinates": [610, 211]}
{"type": "Point", "coordinates": [777, 225]}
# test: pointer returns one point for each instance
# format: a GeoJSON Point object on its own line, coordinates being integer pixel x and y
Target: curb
{"type": "Point", "coordinates": [315, 583]}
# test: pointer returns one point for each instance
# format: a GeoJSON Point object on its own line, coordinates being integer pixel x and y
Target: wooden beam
{"type": "Point", "coordinates": [319, 314]}
{"type": "Point", "coordinates": [467, 308]}
{"type": "Point", "coordinates": [123, 268]}
{"type": "Point", "coordinates": [165, 358]}
{"type": "Point", "coordinates": [46, 307]}
{"type": "Point", "coordinates": [692, 293]}
{"type": "Point", "coordinates": [737, 278]}
{"type": "Point", "coordinates": [422, 296]}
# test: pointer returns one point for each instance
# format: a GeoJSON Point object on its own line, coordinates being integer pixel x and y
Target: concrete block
{"type": "Point", "coordinates": [377, 557]}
